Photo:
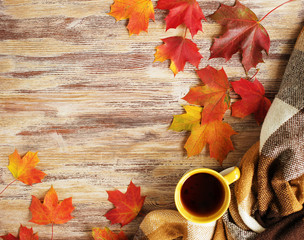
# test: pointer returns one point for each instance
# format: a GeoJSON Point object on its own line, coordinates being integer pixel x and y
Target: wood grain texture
{"type": "Point", "coordinates": [87, 96]}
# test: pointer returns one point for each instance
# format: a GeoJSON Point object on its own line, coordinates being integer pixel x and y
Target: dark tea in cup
{"type": "Point", "coordinates": [202, 194]}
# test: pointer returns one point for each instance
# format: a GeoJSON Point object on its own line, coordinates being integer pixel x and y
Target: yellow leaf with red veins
{"type": "Point", "coordinates": [23, 169]}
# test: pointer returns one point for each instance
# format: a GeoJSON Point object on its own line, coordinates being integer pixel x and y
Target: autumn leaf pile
{"type": "Point", "coordinates": [210, 100]}
{"type": "Point", "coordinates": [51, 211]}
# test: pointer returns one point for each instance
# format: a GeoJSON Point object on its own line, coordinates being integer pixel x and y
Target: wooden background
{"type": "Point", "coordinates": [87, 96]}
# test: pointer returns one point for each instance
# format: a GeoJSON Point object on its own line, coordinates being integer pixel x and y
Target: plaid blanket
{"type": "Point", "coordinates": [267, 201]}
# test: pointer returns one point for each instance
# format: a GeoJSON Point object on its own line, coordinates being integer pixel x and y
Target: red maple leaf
{"type": "Point", "coordinates": [243, 33]}
{"type": "Point", "coordinates": [214, 95]}
{"type": "Point", "coordinates": [51, 211]}
{"type": "Point", "coordinates": [107, 234]}
{"type": "Point", "coordinates": [253, 100]}
{"type": "Point", "coordinates": [186, 12]}
{"type": "Point", "coordinates": [179, 50]}
{"type": "Point", "coordinates": [127, 205]}
{"type": "Point", "coordinates": [24, 234]}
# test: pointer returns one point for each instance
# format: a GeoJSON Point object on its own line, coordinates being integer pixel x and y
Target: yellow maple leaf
{"type": "Point", "coordinates": [23, 169]}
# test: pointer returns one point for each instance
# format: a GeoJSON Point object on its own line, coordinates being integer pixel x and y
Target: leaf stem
{"type": "Point", "coordinates": [7, 186]}
{"type": "Point", "coordinates": [275, 9]}
{"type": "Point", "coordinates": [185, 34]}
{"type": "Point", "coordinates": [52, 231]}
{"type": "Point", "coordinates": [254, 74]}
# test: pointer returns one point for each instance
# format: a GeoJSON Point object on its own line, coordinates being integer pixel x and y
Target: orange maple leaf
{"type": "Point", "coordinates": [138, 11]}
{"type": "Point", "coordinates": [51, 211]}
{"type": "Point", "coordinates": [217, 134]}
{"type": "Point", "coordinates": [23, 169]}
{"type": "Point", "coordinates": [253, 100]}
{"type": "Point", "coordinates": [214, 95]}
{"type": "Point", "coordinates": [179, 50]}
{"type": "Point", "coordinates": [186, 12]}
{"type": "Point", "coordinates": [127, 206]}
{"type": "Point", "coordinates": [24, 234]}
{"type": "Point", "coordinates": [107, 234]}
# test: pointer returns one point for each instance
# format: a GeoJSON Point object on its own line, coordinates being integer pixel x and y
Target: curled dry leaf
{"type": "Point", "coordinates": [179, 50]}
{"type": "Point", "coordinates": [107, 234]}
{"type": "Point", "coordinates": [127, 205]}
{"type": "Point", "coordinates": [253, 100]}
{"type": "Point", "coordinates": [137, 11]}
{"type": "Point", "coordinates": [186, 12]}
{"type": "Point", "coordinates": [24, 234]}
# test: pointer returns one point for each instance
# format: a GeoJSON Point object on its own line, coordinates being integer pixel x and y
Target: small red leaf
{"type": "Point", "coordinates": [186, 12]}
{"type": "Point", "coordinates": [9, 237]}
{"type": "Point", "coordinates": [127, 205]}
{"type": "Point", "coordinates": [24, 234]}
{"type": "Point", "coordinates": [253, 100]}
{"type": "Point", "coordinates": [179, 50]}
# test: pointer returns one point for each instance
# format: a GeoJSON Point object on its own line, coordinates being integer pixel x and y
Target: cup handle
{"type": "Point", "coordinates": [233, 175]}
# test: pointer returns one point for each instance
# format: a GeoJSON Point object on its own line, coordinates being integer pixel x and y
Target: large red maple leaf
{"type": "Point", "coordinates": [243, 33]}
{"type": "Point", "coordinates": [253, 100]}
{"type": "Point", "coordinates": [127, 205]}
{"type": "Point", "coordinates": [179, 50]}
{"type": "Point", "coordinates": [186, 12]}
{"type": "Point", "coordinates": [214, 95]}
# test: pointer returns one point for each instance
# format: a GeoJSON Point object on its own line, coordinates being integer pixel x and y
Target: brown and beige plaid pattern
{"type": "Point", "coordinates": [267, 201]}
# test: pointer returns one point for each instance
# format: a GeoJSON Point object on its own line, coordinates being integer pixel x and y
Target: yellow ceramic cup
{"type": "Point", "coordinates": [225, 180]}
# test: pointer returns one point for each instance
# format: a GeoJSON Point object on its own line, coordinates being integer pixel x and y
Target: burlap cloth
{"type": "Point", "coordinates": [267, 201]}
